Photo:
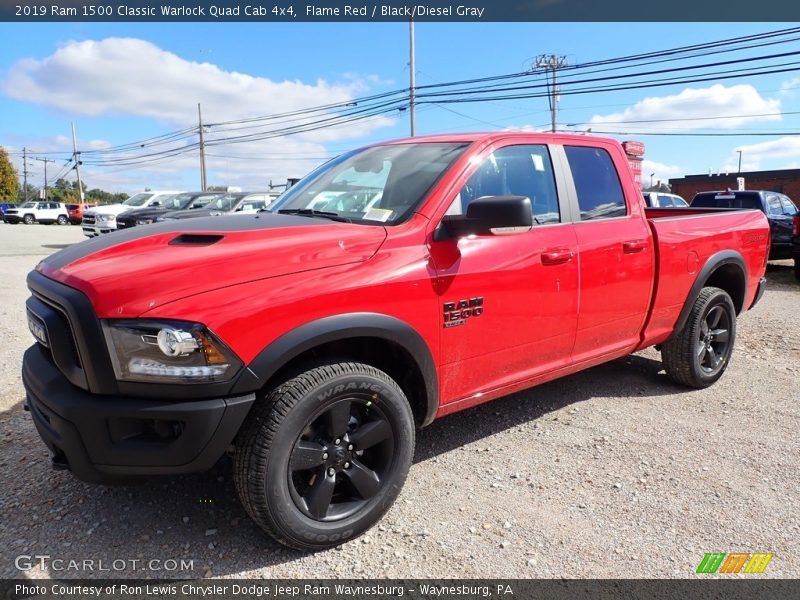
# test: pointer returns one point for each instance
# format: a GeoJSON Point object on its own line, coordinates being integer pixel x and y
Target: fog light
{"type": "Point", "coordinates": [176, 342]}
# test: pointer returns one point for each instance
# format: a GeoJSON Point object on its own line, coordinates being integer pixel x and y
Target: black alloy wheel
{"type": "Point", "coordinates": [339, 461]}
{"type": "Point", "coordinates": [324, 454]}
{"type": "Point", "coordinates": [715, 335]}
{"type": "Point", "coordinates": [699, 353]}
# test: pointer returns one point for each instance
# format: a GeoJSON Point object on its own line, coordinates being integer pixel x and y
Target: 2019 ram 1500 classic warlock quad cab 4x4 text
{"type": "Point", "coordinates": [394, 285]}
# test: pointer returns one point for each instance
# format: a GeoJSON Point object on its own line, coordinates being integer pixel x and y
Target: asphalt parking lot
{"type": "Point", "coordinates": [613, 472]}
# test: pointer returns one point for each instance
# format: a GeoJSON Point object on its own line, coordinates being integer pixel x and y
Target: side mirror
{"type": "Point", "coordinates": [487, 213]}
{"type": "Point", "coordinates": [156, 203]}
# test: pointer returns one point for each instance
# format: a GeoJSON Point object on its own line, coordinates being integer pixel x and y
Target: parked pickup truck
{"type": "Point", "coordinates": [309, 342]}
{"type": "Point", "coordinates": [780, 211]}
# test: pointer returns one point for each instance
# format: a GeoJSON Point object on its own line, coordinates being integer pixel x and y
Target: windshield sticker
{"type": "Point", "coordinates": [538, 163]}
{"type": "Point", "coordinates": [378, 214]}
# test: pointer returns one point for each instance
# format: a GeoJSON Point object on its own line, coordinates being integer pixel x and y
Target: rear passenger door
{"type": "Point", "coordinates": [616, 255]}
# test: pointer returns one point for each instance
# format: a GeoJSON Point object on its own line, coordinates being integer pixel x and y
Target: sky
{"type": "Point", "coordinates": [126, 82]}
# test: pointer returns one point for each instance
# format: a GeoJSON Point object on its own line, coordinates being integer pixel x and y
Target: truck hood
{"type": "Point", "coordinates": [109, 209]}
{"type": "Point", "coordinates": [129, 272]}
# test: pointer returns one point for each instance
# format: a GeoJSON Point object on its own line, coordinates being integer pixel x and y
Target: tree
{"type": "Point", "coordinates": [9, 182]}
{"type": "Point", "coordinates": [33, 193]}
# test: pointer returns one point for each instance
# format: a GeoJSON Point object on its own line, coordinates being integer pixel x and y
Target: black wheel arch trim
{"type": "Point", "coordinates": [714, 262]}
{"type": "Point", "coordinates": [342, 327]}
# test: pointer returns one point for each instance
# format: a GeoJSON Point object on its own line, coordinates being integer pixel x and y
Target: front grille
{"type": "Point", "coordinates": [75, 335]}
{"type": "Point", "coordinates": [61, 343]}
{"type": "Point", "coordinates": [88, 219]}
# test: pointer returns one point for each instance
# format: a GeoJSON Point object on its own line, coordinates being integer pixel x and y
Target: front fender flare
{"type": "Point", "coordinates": [341, 327]}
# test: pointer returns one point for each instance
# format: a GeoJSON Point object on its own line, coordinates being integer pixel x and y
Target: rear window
{"type": "Point", "coordinates": [72, 206]}
{"type": "Point", "coordinates": [596, 182]}
{"type": "Point", "coordinates": [727, 200]}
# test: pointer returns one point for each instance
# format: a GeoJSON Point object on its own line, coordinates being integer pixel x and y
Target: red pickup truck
{"type": "Point", "coordinates": [396, 284]}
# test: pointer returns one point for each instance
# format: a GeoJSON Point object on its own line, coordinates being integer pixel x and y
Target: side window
{"type": "Point", "coordinates": [665, 201]}
{"type": "Point", "coordinates": [514, 171]}
{"type": "Point", "coordinates": [54, 205]}
{"type": "Point", "coordinates": [596, 182]}
{"type": "Point", "coordinates": [788, 207]}
{"type": "Point", "coordinates": [774, 205]}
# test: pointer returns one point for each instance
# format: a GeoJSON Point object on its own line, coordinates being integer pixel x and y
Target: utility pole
{"type": "Point", "coordinates": [45, 161]}
{"type": "Point", "coordinates": [202, 150]}
{"type": "Point", "coordinates": [25, 172]}
{"type": "Point", "coordinates": [551, 63]}
{"type": "Point", "coordinates": [77, 158]}
{"type": "Point", "coordinates": [412, 71]}
{"type": "Point", "coordinates": [740, 161]}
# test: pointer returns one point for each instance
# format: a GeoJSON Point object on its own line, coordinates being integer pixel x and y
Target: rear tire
{"type": "Point", "coordinates": [62, 220]}
{"type": "Point", "coordinates": [699, 354]}
{"type": "Point", "coordinates": [797, 268]}
{"type": "Point", "coordinates": [324, 454]}
{"type": "Point", "coordinates": [28, 220]}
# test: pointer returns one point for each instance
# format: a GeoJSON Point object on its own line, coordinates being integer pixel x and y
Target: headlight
{"type": "Point", "coordinates": [144, 221]}
{"type": "Point", "coordinates": [160, 219]}
{"type": "Point", "coordinates": [168, 351]}
{"type": "Point", "coordinates": [104, 218]}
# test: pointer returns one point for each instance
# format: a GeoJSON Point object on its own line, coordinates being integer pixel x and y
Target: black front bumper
{"type": "Point", "coordinates": [103, 438]}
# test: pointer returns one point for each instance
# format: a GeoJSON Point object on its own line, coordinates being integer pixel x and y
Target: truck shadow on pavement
{"type": "Point", "coordinates": [199, 518]}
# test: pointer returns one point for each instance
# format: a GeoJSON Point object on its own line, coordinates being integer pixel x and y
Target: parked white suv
{"type": "Point", "coordinates": [38, 212]}
{"type": "Point", "coordinates": [103, 219]}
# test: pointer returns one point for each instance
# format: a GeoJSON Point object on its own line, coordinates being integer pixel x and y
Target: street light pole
{"type": "Point", "coordinates": [740, 161]}
{"type": "Point", "coordinates": [412, 83]}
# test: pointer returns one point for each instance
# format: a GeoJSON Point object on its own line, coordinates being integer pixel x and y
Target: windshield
{"type": "Point", "coordinates": [202, 201]}
{"type": "Point", "coordinates": [138, 200]}
{"type": "Point", "coordinates": [224, 203]}
{"type": "Point", "coordinates": [28, 205]}
{"type": "Point", "coordinates": [380, 184]}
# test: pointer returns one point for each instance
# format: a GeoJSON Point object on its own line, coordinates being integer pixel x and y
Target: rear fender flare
{"type": "Point", "coordinates": [720, 259]}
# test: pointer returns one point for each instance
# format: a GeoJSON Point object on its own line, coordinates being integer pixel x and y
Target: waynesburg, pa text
{"type": "Point", "coordinates": [270, 590]}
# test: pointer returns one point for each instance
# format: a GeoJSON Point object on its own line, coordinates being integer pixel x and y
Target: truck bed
{"type": "Point", "coordinates": [684, 240]}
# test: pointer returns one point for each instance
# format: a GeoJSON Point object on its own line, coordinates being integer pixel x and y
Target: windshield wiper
{"type": "Point", "coordinates": [310, 212]}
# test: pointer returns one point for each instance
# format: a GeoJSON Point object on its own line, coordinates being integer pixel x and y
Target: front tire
{"type": "Point", "coordinates": [325, 454]}
{"type": "Point", "coordinates": [28, 220]}
{"type": "Point", "coordinates": [699, 354]}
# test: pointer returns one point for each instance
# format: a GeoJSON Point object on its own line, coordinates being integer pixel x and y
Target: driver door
{"type": "Point", "coordinates": [508, 303]}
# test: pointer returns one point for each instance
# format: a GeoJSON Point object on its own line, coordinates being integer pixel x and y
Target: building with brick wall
{"type": "Point", "coordinates": [785, 181]}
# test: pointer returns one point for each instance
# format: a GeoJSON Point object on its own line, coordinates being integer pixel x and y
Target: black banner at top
{"type": "Point", "coordinates": [394, 10]}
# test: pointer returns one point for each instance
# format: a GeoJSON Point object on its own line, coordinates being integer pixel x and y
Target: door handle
{"type": "Point", "coordinates": [557, 256]}
{"type": "Point", "coordinates": [634, 246]}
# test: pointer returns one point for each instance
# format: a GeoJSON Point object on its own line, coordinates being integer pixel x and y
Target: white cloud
{"type": "Point", "coordinates": [781, 148]}
{"type": "Point", "coordinates": [132, 77]}
{"type": "Point", "coordinates": [707, 105]}
{"type": "Point", "coordinates": [662, 172]}
{"type": "Point", "coordinates": [790, 86]}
